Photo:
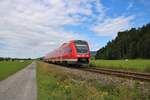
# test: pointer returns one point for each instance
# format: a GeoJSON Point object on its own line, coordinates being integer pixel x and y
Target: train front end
{"type": "Point", "coordinates": [82, 51]}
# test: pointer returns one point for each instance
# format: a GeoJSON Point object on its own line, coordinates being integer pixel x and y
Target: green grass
{"type": "Point", "coordinates": [134, 65]}
{"type": "Point", "coordinates": [7, 68]}
{"type": "Point", "coordinates": [56, 84]}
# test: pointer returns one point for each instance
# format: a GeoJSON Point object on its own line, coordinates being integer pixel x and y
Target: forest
{"type": "Point", "coordinates": [129, 44]}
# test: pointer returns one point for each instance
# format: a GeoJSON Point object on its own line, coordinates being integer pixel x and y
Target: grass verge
{"type": "Point", "coordinates": [133, 65]}
{"type": "Point", "coordinates": [7, 68]}
{"type": "Point", "coordinates": [56, 84]}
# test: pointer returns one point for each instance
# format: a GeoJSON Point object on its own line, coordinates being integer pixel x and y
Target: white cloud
{"type": "Point", "coordinates": [31, 28]}
{"type": "Point", "coordinates": [110, 26]}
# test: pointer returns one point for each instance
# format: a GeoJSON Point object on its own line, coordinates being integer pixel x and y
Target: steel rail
{"type": "Point", "coordinates": [119, 73]}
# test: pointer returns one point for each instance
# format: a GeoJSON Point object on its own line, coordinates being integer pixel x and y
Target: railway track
{"type": "Point", "coordinates": [119, 73]}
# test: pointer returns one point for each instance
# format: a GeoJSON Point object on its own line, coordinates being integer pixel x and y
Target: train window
{"type": "Point", "coordinates": [80, 42]}
{"type": "Point", "coordinates": [69, 50]}
{"type": "Point", "coordinates": [82, 48]}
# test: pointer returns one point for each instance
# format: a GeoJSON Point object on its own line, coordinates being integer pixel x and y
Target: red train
{"type": "Point", "coordinates": [74, 52]}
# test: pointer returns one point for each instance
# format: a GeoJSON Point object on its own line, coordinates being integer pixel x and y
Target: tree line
{"type": "Point", "coordinates": [129, 44]}
{"type": "Point", "coordinates": [13, 59]}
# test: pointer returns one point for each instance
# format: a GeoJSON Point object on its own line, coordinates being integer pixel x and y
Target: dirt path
{"type": "Point", "coordinates": [20, 86]}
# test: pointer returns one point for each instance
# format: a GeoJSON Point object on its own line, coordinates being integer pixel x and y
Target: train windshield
{"type": "Point", "coordinates": [81, 46]}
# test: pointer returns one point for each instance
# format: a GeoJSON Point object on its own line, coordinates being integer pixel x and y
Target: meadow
{"type": "Point", "coordinates": [8, 68]}
{"type": "Point", "coordinates": [56, 84]}
{"type": "Point", "coordinates": [133, 65]}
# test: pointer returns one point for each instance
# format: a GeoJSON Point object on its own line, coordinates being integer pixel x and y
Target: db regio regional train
{"type": "Point", "coordinates": [73, 52]}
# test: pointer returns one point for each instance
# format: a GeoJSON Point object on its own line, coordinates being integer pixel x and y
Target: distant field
{"type": "Point", "coordinates": [134, 65]}
{"type": "Point", "coordinates": [9, 67]}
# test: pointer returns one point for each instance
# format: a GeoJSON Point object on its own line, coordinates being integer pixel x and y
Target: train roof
{"type": "Point", "coordinates": [77, 41]}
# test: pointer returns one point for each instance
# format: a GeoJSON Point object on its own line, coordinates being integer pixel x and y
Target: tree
{"type": "Point", "coordinates": [133, 43]}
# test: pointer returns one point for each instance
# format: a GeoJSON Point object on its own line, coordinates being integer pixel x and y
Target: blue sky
{"type": "Point", "coordinates": [32, 28]}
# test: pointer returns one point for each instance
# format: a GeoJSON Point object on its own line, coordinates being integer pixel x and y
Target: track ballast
{"type": "Point", "coordinates": [119, 73]}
